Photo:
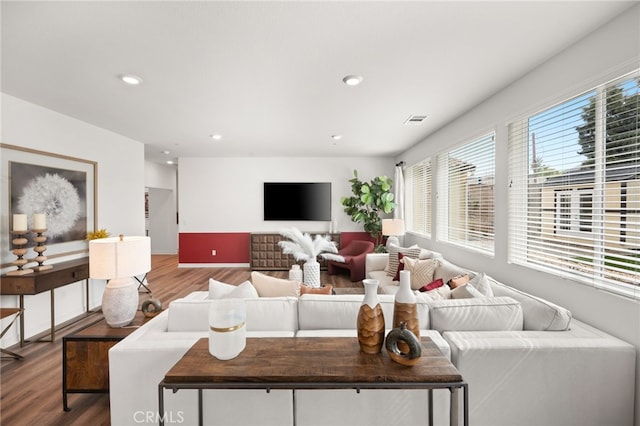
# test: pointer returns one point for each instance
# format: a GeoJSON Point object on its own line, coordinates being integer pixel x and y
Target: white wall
{"type": "Point", "coordinates": [120, 195]}
{"type": "Point", "coordinates": [225, 194]}
{"type": "Point", "coordinates": [605, 54]}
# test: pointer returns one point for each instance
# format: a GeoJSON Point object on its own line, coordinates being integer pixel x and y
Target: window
{"type": "Point", "coordinates": [574, 200]}
{"type": "Point", "coordinates": [466, 194]}
{"type": "Point", "coordinates": [418, 190]}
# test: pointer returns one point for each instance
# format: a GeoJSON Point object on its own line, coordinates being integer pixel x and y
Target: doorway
{"type": "Point", "coordinates": [161, 221]}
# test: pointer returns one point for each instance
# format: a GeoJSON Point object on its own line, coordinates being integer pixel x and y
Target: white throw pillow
{"type": "Point", "coordinates": [481, 283]}
{"type": "Point", "coordinates": [268, 286]}
{"type": "Point", "coordinates": [220, 290]}
{"type": "Point", "coordinates": [465, 291]}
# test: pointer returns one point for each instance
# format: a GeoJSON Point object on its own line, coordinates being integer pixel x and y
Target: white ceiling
{"type": "Point", "coordinates": [267, 76]}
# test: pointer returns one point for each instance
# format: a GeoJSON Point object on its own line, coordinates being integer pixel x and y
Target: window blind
{"type": "Point", "coordinates": [574, 188]}
{"type": "Point", "coordinates": [466, 194]}
{"type": "Point", "coordinates": [418, 188]}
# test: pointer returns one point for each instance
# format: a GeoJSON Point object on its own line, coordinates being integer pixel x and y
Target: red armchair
{"type": "Point", "coordinates": [354, 254]}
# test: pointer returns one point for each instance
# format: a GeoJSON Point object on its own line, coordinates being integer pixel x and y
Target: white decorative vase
{"type": "Point", "coordinates": [295, 274]}
{"type": "Point", "coordinates": [227, 329]}
{"type": "Point", "coordinates": [120, 301]}
{"type": "Point", "coordinates": [405, 309]}
{"type": "Point", "coordinates": [312, 273]}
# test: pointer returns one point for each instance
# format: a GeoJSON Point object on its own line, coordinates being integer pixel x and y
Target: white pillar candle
{"type": "Point", "coordinates": [20, 222]}
{"type": "Point", "coordinates": [39, 221]}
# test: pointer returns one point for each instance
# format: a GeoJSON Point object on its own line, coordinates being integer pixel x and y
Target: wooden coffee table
{"type": "Point", "coordinates": [283, 363]}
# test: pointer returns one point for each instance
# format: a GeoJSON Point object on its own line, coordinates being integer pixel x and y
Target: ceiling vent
{"type": "Point", "coordinates": [414, 120]}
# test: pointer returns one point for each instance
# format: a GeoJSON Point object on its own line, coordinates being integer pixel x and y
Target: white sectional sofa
{"type": "Point", "coordinates": [527, 362]}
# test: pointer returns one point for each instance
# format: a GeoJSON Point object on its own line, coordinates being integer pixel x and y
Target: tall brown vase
{"type": "Point", "coordinates": [370, 320]}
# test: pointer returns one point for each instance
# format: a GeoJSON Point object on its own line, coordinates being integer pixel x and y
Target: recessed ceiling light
{"type": "Point", "coordinates": [169, 161]}
{"type": "Point", "coordinates": [216, 137]}
{"type": "Point", "coordinates": [336, 137]}
{"type": "Point", "coordinates": [352, 80]}
{"type": "Point", "coordinates": [131, 79]}
{"type": "Point", "coordinates": [166, 152]}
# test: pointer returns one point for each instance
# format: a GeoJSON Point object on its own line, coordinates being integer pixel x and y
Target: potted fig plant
{"type": "Point", "coordinates": [370, 200]}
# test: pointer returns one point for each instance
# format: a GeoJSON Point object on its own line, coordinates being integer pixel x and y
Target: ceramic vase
{"type": "Point", "coordinates": [405, 308]}
{"type": "Point", "coordinates": [370, 319]}
{"type": "Point", "coordinates": [295, 273]}
{"type": "Point", "coordinates": [227, 330]}
{"type": "Point", "coordinates": [312, 273]}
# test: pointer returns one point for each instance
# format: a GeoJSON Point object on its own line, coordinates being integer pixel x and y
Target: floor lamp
{"type": "Point", "coordinates": [118, 260]}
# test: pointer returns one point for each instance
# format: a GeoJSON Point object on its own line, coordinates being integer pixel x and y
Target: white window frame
{"type": "Point", "coordinates": [443, 196]}
{"type": "Point", "coordinates": [524, 246]}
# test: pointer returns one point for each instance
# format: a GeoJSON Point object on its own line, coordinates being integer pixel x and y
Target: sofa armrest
{"type": "Point", "coordinates": [375, 262]}
{"type": "Point", "coordinates": [579, 376]}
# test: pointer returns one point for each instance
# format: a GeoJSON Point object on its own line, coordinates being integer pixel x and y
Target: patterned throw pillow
{"type": "Point", "coordinates": [421, 270]}
{"type": "Point", "coordinates": [413, 252]}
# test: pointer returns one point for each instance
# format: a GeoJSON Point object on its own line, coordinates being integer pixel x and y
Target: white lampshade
{"type": "Point", "coordinates": [393, 227]}
{"type": "Point", "coordinates": [114, 257]}
{"type": "Point", "coordinates": [118, 260]}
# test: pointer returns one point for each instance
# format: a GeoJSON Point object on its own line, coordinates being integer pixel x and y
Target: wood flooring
{"type": "Point", "coordinates": [31, 388]}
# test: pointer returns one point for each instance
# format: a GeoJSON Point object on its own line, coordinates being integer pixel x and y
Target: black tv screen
{"type": "Point", "coordinates": [297, 201]}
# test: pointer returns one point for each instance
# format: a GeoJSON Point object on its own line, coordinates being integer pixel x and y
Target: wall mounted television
{"type": "Point", "coordinates": [297, 201]}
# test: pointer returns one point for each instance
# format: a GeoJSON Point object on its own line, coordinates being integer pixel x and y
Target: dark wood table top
{"type": "Point", "coordinates": [5, 312]}
{"type": "Point", "coordinates": [312, 360]}
{"type": "Point", "coordinates": [101, 330]}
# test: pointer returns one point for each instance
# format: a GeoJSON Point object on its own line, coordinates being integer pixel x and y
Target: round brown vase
{"type": "Point", "coordinates": [370, 320]}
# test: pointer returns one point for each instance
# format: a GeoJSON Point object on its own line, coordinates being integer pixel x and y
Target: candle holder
{"type": "Point", "coordinates": [39, 249]}
{"type": "Point", "coordinates": [19, 240]}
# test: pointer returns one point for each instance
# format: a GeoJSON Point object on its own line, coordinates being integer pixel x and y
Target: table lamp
{"type": "Point", "coordinates": [392, 228]}
{"type": "Point", "coordinates": [118, 260]}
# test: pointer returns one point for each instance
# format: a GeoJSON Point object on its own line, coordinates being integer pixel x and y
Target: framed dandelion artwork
{"type": "Point", "coordinates": [60, 187]}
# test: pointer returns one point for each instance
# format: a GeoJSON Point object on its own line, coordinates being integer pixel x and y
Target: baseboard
{"type": "Point", "coordinates": [213, 265]}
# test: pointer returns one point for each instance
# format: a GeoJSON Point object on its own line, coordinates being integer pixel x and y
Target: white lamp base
{"type": "Point", "coordinates": [120, 301]}
{"type": "Point", "coordinates": [392, 239]}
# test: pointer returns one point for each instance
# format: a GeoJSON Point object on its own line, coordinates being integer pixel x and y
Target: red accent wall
{"type": "Point", "coordinates": [230, 247]}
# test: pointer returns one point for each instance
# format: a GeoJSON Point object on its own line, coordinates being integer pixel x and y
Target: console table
{"type": "Point", "coordinates": [338, 364]}
{"type": "Point", "coordinates": [267, 255]}
{"type": "Point", "coordinates": [61, 274]}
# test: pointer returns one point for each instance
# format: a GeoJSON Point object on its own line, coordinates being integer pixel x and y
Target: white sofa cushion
{"type": "Point", "coordinates": [316, 312]}
{"type": "Point", "coordinates": [263, 314]}
{"type": "Point", "coordinates": [477, 314]}
{"type": "Point", "coordinates": [188, 315]}
{"type": "Point", "coordinates": [539, 314]}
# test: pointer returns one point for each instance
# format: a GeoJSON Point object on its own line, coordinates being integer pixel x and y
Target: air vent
{"type": "Point", "coordinates": [414, 120]}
